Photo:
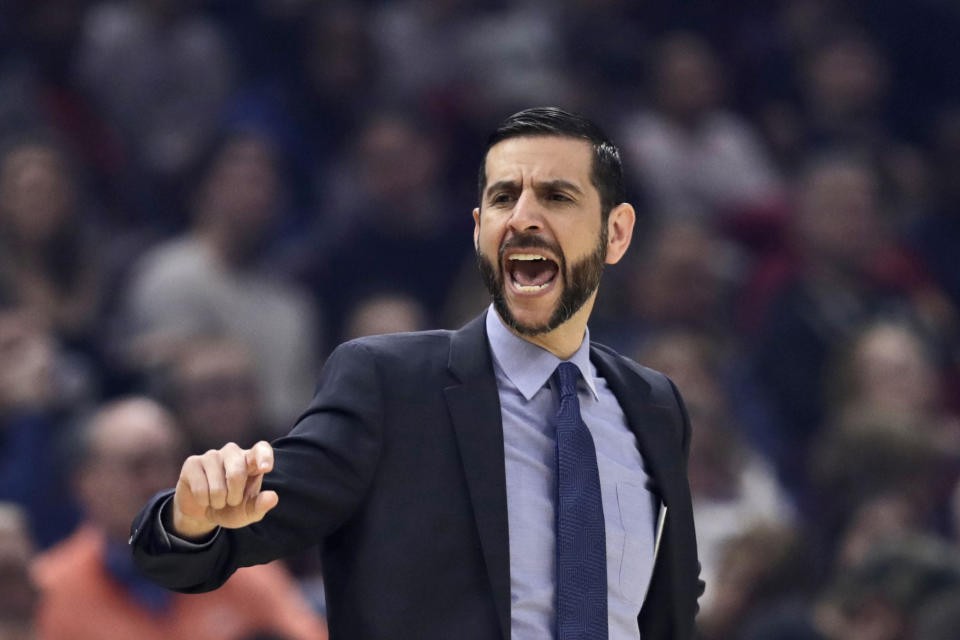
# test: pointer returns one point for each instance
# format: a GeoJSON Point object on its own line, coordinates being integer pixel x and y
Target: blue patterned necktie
{"type": "Point", "coordinates": [581, 539]}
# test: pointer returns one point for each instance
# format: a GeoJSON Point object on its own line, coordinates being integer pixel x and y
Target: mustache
{"type": "Point", "coordinates": [529, 241]}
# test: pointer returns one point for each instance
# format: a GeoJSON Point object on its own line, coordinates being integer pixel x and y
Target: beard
{"type": "Point", "coordinates": [579, 282]}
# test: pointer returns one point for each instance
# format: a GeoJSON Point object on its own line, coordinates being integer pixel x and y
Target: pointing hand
{"type": "Point", "coordinates": [222, 488]}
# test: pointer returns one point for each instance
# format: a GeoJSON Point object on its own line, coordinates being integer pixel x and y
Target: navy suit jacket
{"type": "Point", "coordinates": [397, 468]}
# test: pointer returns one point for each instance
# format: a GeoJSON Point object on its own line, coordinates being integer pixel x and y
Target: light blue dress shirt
{"type": "Point", "coordinates": [527, 402]}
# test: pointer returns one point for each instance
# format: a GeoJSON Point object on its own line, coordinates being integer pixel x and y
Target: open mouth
{"type": "Point", "coordinates": [531, 272]}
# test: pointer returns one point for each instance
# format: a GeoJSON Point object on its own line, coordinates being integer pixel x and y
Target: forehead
{"type": "Point", "coordinates": [132, 428]}
{"type": "Point", "coordinates": [29, 157]}
{"type": "Point", "coordinates": [541, 158]}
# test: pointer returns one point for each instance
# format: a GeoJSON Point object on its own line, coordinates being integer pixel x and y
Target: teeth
{"type": "Point", "coordinates": [527, 256]}
{"type": "Point", "coordinates": [530, 287]}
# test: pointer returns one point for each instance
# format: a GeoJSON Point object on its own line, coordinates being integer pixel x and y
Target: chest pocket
{"type": "Point", "coordinates": [636, 506]}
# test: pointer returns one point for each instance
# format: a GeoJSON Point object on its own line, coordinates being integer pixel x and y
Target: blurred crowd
{"type": "Point", "coordinates": [200, 198]}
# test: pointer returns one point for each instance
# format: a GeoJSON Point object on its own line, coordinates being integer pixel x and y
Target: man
{"type": "Point", "coordinates": [90, 588]}
{"type": "Point", "coordinates": [426, 462]}
{"type": "Point", "coordinates": [211, 281]}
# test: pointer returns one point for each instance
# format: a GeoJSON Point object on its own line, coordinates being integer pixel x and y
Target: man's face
{"type": "Point", "coordinates": [135, 452]}
{"type": "Point", "coordinates": [540, 243]}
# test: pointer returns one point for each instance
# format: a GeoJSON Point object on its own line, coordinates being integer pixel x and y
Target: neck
{"type": "Point", "coordinates": [563, 341]}
{"type": "Point", "coordinates": [220, 245]}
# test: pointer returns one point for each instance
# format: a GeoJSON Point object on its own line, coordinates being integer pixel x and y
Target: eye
{"type": "Point", "coordinates": [560, 197]}
{"type": "Point", "coordinates": [501, 198]}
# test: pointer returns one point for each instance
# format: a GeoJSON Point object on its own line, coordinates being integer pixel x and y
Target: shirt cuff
{"type": "Point", "coordinates": [176, 543]}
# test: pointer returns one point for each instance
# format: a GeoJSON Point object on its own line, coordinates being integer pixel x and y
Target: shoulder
{"type": "Point", "coordinates": [405, 345]}
{"type": "Point", "coordinates": [176, 251]}
{"type": "Point", "coordinates": [407, 353]}
{"type": "Point", "coordinates": [178, 259]}
{"type": "Point", "coordinates": [75, 560]}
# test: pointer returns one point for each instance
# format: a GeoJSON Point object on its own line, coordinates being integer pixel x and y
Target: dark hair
{"type": "Point", "coordinates": [606, 174]}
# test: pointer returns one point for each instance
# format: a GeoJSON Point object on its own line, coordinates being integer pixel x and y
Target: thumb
{"type": "Point", "coordinates": [264, 502]}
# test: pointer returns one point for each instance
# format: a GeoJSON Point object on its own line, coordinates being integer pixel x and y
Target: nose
{"type": "Point", "coordinates": [527, 215]}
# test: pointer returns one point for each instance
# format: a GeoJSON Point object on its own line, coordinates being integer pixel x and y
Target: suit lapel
{"type": "Point", "coordinates": [651, 424]}
{"type": "Point", "coordinates": [474, 406]}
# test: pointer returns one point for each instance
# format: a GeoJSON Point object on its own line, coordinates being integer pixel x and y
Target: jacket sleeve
{"type": "Point", "coordinates": [322, 470]}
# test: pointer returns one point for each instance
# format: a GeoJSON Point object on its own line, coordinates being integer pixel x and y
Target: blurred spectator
{"type": "Point", "coordinates": [125, 453]}
{"type": "Point", "coordinates": [385, 313]}
{"type": "Point", "coordinates": [680, 277]}
{"type": "Point", "coordinates": [889, 371]}
{"type": "Point", "coordinates": [605, 43]}
{"type": "Point", "coordinates": [214, 390]}
{"type": "Point", "coordinates": [396, 230]}
{"type": "Point", "coordinates": [881, 598]}
{"type": "Point", "coordinates": [212, 281]}
{"type": "Point", "coordinates": [37, 92]}
{"type": "Point", "coordinates": [683, 278]}
{"type": "Point", "coordinates": [161, 71]}
{"type": "Point", "coordinates": [847, 270]}
{"type": "Point", "coordinates": [845, 82]}
{"type": "Point", "coordinates": [50, 264]}
{"type": "Point", "coordinates": [690, 155]}
{"type": "Point", "coordinates": [734, 490]}
{"type": "Point", "coordinates": [875, 478]}
{"type": "Point", "coordinates": [524, 38]}
{"type": "Point", "coordinates": [18, 593]}
{"type": "Point", "coordinates": [34, 396]}
{"type": "Point", "coordinates": [937, 236]}
{"type": "Point", "coordinates": [338, 70]}
{"type": "Point", "coordinates": [845, 78]}
{"type": "Point", "coordinates": [758, 568]}
{"type": "Point", "coordinates": [416, 43]}
{"type": "Point", "coordinates": [308, 64]}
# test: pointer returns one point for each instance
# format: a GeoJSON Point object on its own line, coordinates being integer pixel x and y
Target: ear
{"type": "Point", "coordinates": [476, 228]}
{"type": "Point", "coordinates": [619, 231]}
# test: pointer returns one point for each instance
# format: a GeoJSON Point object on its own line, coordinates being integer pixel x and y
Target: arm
{"type": "Point", "coordinates": [320, 473]}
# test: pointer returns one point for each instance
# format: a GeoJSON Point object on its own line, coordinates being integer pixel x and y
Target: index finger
{"type": "Point", "coordinates": [259, 458]}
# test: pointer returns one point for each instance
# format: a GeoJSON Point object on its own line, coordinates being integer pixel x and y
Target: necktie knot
{"type": "Point", "coordinates": [567, 374]}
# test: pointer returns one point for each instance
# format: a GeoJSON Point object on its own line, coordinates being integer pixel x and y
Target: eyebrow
{"type": "Point", "coordinates": [557, 184]}
{"type": "Point", "coordinates": [500, 184]}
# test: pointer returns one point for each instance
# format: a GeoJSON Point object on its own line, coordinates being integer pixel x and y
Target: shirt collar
{"type": "Point", "coordinates": [528, 366]}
